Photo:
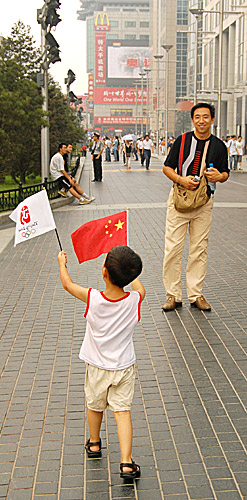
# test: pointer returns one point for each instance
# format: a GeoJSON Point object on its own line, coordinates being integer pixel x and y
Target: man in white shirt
{"type": "Point", "coordinates": [140, 148]}
{"type": "Point", "coordinates": [233, 154]}
{"type": "Point", "coordinates": [147, 147]}
{"type": "Point", "coordinates": [240, 151]}
{"type": "Point", "coordinates": [58, 173]}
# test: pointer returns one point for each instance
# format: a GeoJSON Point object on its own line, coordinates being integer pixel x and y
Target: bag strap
{"type": "Point", "coordinates": [181, 153]}
{"type": "Point", "coordinates": [203, 163]}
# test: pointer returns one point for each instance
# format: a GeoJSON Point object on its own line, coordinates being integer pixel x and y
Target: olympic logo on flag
{"type": "Point", "coordinates": [25, 215]}
{"type": "Point", "coordinates": [28, 232]}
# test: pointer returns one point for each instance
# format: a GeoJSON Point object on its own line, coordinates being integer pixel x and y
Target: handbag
{"type": "Point", "coordinates": [185, 199]}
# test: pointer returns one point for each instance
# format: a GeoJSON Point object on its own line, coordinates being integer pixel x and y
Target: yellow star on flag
{"type": "Point", "coordinates": [119, 225]}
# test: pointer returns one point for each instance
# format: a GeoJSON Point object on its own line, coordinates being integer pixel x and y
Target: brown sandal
{"type": "Point", "coordinates": [134, 474]}
{"type": "Point", "coordinates": [93, 454]}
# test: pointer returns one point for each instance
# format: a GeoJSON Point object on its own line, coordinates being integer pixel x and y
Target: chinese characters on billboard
{"type": "Point", "coordinates": [115, 95]}
{"type": "Point", "coordinates": [100, 58]}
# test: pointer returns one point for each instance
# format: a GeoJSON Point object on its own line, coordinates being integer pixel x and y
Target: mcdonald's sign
{"type": "Point", "coordinates": [102, 22]}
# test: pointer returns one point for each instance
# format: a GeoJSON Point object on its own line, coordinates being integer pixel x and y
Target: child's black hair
{"type": "Point", "coordinates": [123, 265]}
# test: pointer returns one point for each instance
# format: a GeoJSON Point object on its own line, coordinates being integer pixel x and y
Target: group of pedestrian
{"type": "Point", "coordinates": [196, 159]}
{"type": "Point", "coordinates": [235, 149]}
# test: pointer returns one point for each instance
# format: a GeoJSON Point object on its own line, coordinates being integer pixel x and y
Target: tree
{"type": "Point", "coordinates": [20, 47]}
{"type": "Point", "coordinates": [21, 115]}
{"type": "Point", "coordinates": [21, 105]}
{"type": "Point", "coordinates": [63, 121]}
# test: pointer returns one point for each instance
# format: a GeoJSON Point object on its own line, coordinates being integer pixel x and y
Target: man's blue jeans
{"type": "Point", "coordinates": [234, 159]}
{"type": "Point", "coordinates": [147, 156]}
{"type": "Point", "coordinates": [115, 154]}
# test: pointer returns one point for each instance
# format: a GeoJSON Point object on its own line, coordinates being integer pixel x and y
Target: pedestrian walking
{"type": "Point", "coordinates": [128, 151]}
{"type": "Point", "coordinates": [115, 148]}
{"type": "Point", "coordinates": [108, 149]}
{"type": "Point", "coordinates": [147, 147]}
{"type": "Point", "coordinates": [233, 154]}
{"type": "Point", "coordinates": [240, 151]}
{"type": "Point", "coordinates": [190, 155]}
{"type": "Point", "coordinates": [97, 150]}
{"type": "Point", "coordinates": [140, 149]}
{"type": "Point", "coordinates": [108, 349]}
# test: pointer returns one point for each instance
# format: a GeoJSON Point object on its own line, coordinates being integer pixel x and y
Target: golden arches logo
{"type": "Point", "coordinates": [102, 22]}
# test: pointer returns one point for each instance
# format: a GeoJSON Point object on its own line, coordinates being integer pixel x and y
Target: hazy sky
{"type": "Point", "coordinates": [70, 34]}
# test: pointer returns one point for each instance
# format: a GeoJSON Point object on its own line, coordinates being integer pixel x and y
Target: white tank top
{"type": "Point", "coordinates": [108, 341]}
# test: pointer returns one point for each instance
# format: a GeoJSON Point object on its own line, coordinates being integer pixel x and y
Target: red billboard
{"type": "Point", "coordinates": [116, 95]}
{"type": "Point", "coordinates": [100, 58]}
{"type": "Point", "coordinates": [90, 87]}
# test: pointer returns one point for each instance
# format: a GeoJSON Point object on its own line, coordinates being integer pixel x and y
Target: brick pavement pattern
{"type": "Point", "coordinates": [189, 410]}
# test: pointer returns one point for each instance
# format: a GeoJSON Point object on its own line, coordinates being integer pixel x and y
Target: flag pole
{"type": "Point", "coordinates": [59, 242]}
{"type": "Point", "coordinates": [127, 210]}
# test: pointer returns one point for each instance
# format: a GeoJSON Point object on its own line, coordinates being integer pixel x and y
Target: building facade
{"type": "Point", "coordinates": [229, 58]}
{"type": "Point", "coordinates": [169, 28]}
{"type": "Point", "coordinates": [117, 53]}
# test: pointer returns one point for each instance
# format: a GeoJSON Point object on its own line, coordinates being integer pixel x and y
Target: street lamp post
{"type": "Point", "coordinates": [147, 71]}
{"type": "Point", "coordinates": [136, 125]}
{"type": "Point", "coordinates": [142, 74]}
{"type": "Point", "coordinates": [158, 59]}
{"type": "Point", "coordinates": [167, 48]}
{"type": "Point", "coordinates": [196, 14]}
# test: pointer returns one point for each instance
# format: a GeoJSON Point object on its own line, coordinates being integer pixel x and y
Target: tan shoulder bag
{"type": "Point", "coordinates": [186, 200]}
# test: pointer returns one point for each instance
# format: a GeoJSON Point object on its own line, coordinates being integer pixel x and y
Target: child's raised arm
{"type": "Point", "coordinates": [138, 287]}
{"type": "Point", "coordinates": [76, 290]}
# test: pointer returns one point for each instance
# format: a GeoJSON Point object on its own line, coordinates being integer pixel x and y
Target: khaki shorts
{"type": "Point", "coordinates": [109, 388]}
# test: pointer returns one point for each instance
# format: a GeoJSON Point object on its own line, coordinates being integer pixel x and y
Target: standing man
{"type": "Point", "coordinates": [147, 147]}
{"type": "Point", "coordinates": [58, 172]}
{"type": "Point", "coordinates": [97, 151]}
{"type": "Point", "coordinates": [240, 151]}
{"type": "Point", "coordinates": [140, 149]}
{"type": "Point", "coordinates": [199, 219]}
{"type": "Point", "coordinates": [108, 149]}
{"type": "Point", "coordinates": [233, 154]}
{"type": "Point", "coordinates": [115, 148]}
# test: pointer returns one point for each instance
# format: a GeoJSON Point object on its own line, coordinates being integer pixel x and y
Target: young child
{"type": "Point", "coordinates": [108, 348]}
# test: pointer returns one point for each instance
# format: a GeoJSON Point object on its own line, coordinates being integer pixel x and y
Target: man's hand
{"type": "Point", "coordinates": [188, 182]}
{"type": "Point", "coordinates": [62, 258]}
{"type": "Point", "coordinates": [213, 175]}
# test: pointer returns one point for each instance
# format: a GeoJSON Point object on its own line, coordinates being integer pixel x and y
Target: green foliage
{"type": "Point", "coordinates": [21, 114]}
{"type": "Point", "coordinates": [20, 47]}
{"type": "Point", "coordinates": [63, 121]}
{"type": "Point", "coordinates": [21, 106]}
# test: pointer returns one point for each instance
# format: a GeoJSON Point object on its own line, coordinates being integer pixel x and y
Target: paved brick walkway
{"type": "Point", "coordinates": [189, 411]}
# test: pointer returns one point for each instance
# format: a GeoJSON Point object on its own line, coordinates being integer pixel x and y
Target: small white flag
{"type": "Point", "coordinates": [33, 217]}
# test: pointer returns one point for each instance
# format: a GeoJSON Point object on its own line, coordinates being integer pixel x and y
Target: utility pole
{"type": "Point", "coordinates": [47, 17]}
{"type": "Point", "coordinates": [158, 59]}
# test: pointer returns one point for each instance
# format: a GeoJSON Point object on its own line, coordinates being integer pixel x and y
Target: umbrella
{"type": "Point", "coordinates": [129, 137]}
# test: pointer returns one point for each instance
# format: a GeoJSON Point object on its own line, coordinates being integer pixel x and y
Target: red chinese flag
{"type": "Point", "coordinates": [99, 236]}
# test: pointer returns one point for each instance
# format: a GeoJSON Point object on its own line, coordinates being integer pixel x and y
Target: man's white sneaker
{"type": "Point", "coordinates": [63, 193]}
{"type": "Point", "coordinates": [84, 201]}
{"type": "Point", "coordinates": [92, 198]}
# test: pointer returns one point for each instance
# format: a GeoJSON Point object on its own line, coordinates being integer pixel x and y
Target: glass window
{"type": "Point", "coordinates": [130, 24]}
{"type": "Point", "coordinates": [130, 37]}
{"type": "Point", "coordinates": [181, 64]}
{"type": "Point", "coordinates": [241, 48]}
{"type": "Point", "coordinates": [114, 24]}
{"type": "Point", "coordinates": [112, 36]}
{"type": "Point", "coordinates": [182, 12]}
{"type": "Point", "coordinates": [144, 24]}
{"type": "Point", "coordinates": [144, 37]}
